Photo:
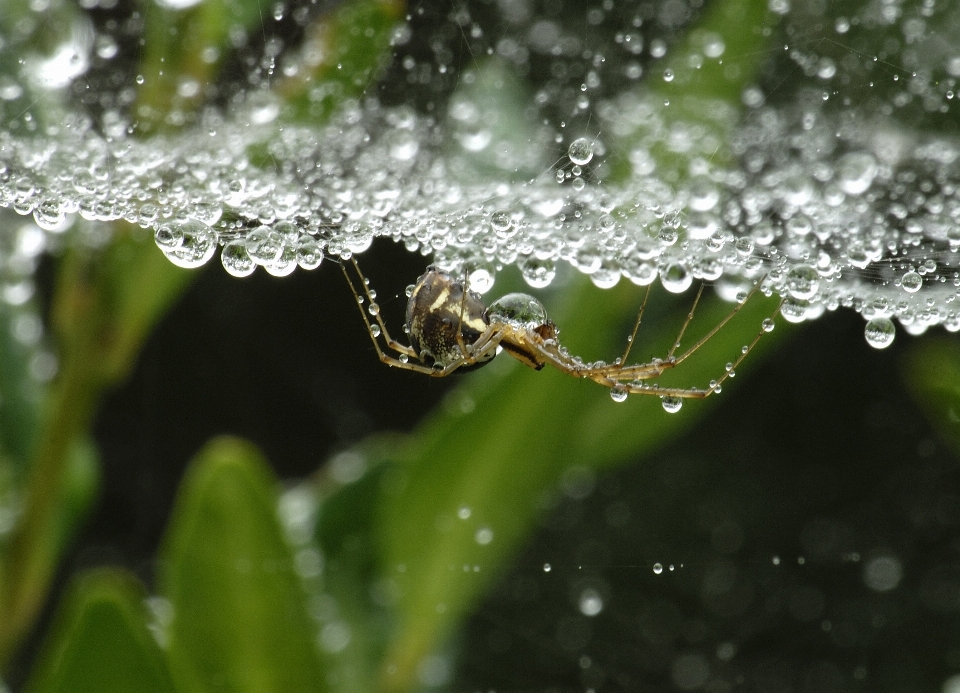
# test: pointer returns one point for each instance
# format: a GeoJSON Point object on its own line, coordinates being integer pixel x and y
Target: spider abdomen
{"type": "Point", "coordinates": [442, 319]}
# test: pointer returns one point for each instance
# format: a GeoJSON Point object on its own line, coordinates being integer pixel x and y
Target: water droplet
{"type": "Point", "coordinates": [538, 273]}
{"type": "Point", "coordinates": [309, 253]}
{"type": "Point", "coordinates": [880, 333]}
{"type": "Point", "coordinates": [618, 393]}
{"type": "Point", "coordinates": [285, 264]}
{"type": "Point", "coordinates": [518, 309]}
{"type": "Point", "coordinates": [657, 568]}
{"type": "Point", "coordinates": [502, 224]}
{"type": "Point", "coordinates": [768, 324]}
{"type": "Point", "coordinates": [671, 404]}
{"type": "Point", "coordinates": [236, 260]}
{"type": "Point", "coordinates": [794, 309]}
{"type": "Point", "coordinates": [803, 282]}
{"type": "Point", "coordinates": [676, 278]}
{"type": "Point", "coordinates": [197, 243]}
{"type": "Point", "coordinates": [264, 245]}
{"type": "Point", "coordinates": [481, 279]}
{"type": "Point", "coordinates": [911, 282]}
{"type": "Point", "coordinates": [855, 172]}
{"type": "Point", "coordinates": [580, 151]}
{"type": "Point", "coordinates": [547, 567]}
{"type": "Point", "coordinates": [49, 215]}
{"type": "Point", "coordinates": [168, 237]}
{"type": "Point", "coordinates": [484, 536]}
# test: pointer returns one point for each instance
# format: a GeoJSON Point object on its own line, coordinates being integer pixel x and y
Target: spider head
{"type": "Point", "coordinates": [441, 316]}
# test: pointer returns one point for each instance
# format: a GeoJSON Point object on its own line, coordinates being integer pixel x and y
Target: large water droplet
{"type": "Point", "coordinates": [580, 151]}
{"type": "Point", "coordinates": [880, 333]}
{"type": "Point", "coordinates": [236, 260]}
{"type": "Point", "coordinates": [518, 309]}
{"type": "Point", "coordinates": [803, 282]}
{"type": "Point", "coordinates": [198, 243]}
{"type": "Point", "coordinates": [671, 404]}
{"type": "Point", "coordinates": [676, 278]}
{"type": "Point", "coordinates": [855, 172]}
{"type": "Point", "coordinates": [911, 282]}
{"type": "Point", "coordinates": [264, 245]}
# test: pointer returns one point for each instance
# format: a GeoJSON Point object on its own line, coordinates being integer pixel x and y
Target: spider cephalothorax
{"type": "Point", "coordinates": [451, 329]}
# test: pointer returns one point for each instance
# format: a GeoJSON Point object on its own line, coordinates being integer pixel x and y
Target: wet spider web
{"type": "Point", "coordinates": [525, 137]}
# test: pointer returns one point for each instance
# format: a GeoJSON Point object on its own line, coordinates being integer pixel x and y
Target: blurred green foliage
{"type": "Point", "coordinates": [234, 611]}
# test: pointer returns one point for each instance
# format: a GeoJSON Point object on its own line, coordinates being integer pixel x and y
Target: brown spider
{"type": "Point", "coordinates": [451, 329]}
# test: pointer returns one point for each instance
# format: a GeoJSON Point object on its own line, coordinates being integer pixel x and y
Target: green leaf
{"type": "Point", "coordinates": [352, 43]}
{"type": "Point", "coordinates": [21, 394]}
{"type": "Point", "coordinates": [101, 643]}
{"type": "Point", "coordinates": [499, 106]}
{"type": "Point", "coordinates": [356, 628]}
{"type": "Point", "coordinates": [240, 622]}
{"type": "Point", "coordinates": [184, 45]}
{"type": "Point", "coordinates": [932, 371]}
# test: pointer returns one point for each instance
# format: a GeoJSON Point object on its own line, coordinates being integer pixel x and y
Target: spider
{"type": "Point", "coordinates": [450, 329]}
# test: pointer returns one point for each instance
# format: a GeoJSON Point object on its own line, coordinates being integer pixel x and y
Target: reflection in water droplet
{"type": "Point", "coordinates": [519, 309]}
{"type": "Point", "coordinates": [880, 333]}
{"type": "Point", "coordinates": [911, 282]}
{"type": "Point", "coordinates": [236, 260]}
{"type": "Point", "coordinates": [197, 243]}
{"type": "Point", "coordinates": [580, 151]}
{"type": "Point", "coordinates": [803, 282]}
{"type": "Point", "coordinates": [672, 404]}
{"type": "Point", "coordinates": [676, 278]}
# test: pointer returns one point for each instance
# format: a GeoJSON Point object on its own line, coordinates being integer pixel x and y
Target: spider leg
{"type": "Point", "coordinates": [674, 360]}
{"type": "Point", "coordinates": [390, 342]}
{"type": "Point", "coordinates": [686, 323]}
{"type": "Point", "coordinates": [655, 368]}
{"type": "Point", "coordinates": [636, 327]}
{"type": "Point", "coordinates": [630, 377]}
{"type": "Point", "coordinates": [383, 356]}
{"type": "Point", "coordinates": [636, 387]}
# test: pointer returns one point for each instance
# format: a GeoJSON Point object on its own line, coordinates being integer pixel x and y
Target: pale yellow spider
{"type": "Point", "coordinates": [451, 329]}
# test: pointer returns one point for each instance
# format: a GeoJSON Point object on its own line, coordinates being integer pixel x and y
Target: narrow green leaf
{"type": "Point", "coordinates": [21, 394]}
{"type": "Point", "coordinates": [932, 371]}
{"type": "Point", "coordinates": [355, 629]}
{"type": "Point", "coordinates": [101, 643]}
{"type": "Point", "coordinates": [239, 620]}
